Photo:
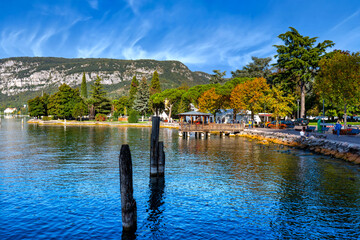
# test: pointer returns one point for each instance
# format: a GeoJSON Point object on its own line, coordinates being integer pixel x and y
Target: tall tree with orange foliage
{"type": "Point", "coordinates": [249, 95]}
{"type": "Point", "coordinates": [210, 101]}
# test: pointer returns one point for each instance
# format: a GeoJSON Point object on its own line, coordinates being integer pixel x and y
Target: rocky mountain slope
{"type": "Point", "coordinates": [32, 74]}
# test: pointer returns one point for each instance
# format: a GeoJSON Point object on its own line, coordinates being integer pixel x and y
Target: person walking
{"type": "Point", "coordinates": [338, 127]}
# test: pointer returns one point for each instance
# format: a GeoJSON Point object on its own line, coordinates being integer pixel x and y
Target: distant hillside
{"type": "Point", "coordinates": [22, 78]}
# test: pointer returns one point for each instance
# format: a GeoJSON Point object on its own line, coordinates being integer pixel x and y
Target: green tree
{"type": "Point", "coordinates": [80, 109]}
{"type": "Point", "coordinates": [121, 105]}
{"type": "Point", "coordinates": [62, 102]}
{"type": "Point", "coordinates": [141, 103]}
{"type": "Point", "coordinates": [184, 105]}
{"type": "Point", "coordinates": [155, 84]}
{"type": "Point", "coordinates": [157, 103]}
{"type": "Point", "coordinates": [133, 90]}
{"type": "Point", "coordinates": [217, 77]}
{"type": "Point", "coordinates": [45, 99]}
{"type": "Point", "coordinates": [278, 103]}
{"type": "Point", "coordinates": [36, 107]}
{"type": "Point", "coordinates": [297, 61]}
{"type": "Point", "coordinates": [172, 98]}
{"type": "Point", "coordinates": [195, 92]}
{"type": "Point", "coordinates": [259, 67]}
{"type": "Point", "coordinates": [99, 101]}
{"type": "Point", "coordinates": [339, 80]}
{"type": "Point", "coordinates": [133, 116]}
{"type": "Point", "coordinates": [84, 86]}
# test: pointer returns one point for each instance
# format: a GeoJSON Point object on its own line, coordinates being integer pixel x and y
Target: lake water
{"type": "Point", "coordinates": [63, 183]}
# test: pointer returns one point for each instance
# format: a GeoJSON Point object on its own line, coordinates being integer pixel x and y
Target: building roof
{"type": "Point", "coordinates": [194, 113]}
{"type": "Point", "coordinates": [9, 110]}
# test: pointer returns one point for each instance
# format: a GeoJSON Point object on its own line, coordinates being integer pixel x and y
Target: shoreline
{"type": "Point", "coordinates": [316, 143]}
{"type": "Point", "coordinates": [95, 123]}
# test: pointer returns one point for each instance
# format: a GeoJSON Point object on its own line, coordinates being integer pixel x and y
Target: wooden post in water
{"type": "Point", "coordinates": [161, 162]}
{"type": "Point", "coordinates": [128, 203]}
{"type": "Point", "coordinates": [154, 146]}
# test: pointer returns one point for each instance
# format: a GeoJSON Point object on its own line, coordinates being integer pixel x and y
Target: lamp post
{"type": "Point", "coordinates": [298, 101]}
{"type": "Point", "coordinates": [323, 111]}
{"type": "Point", "coordinates": [264, 115]}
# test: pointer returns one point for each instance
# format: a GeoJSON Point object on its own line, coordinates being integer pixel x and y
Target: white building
{"type": "Point", "coordinates": [226, 116]}
{"type": "Point", "coordinates": [9, 111]}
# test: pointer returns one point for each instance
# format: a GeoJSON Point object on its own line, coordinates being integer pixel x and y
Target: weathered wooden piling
{"type": "Point", "coordinates": [157, 154]}
{"type": "Point", "coordinates": [161, 161]}
{"type": "Point", "coordinates": [128, 203]}
{"type": "Point", "coordinates": [154, 146]}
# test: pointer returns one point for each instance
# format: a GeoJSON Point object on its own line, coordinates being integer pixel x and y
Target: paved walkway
{"type": "Point", "coordinates": [342, 138]}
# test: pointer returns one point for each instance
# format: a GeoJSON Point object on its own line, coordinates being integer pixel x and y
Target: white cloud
{"type": "Point", "coordinates": [94, 4]}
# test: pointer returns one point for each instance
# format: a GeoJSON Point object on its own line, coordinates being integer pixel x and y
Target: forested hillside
{"type": "Point", "coordinates": [22, 78]}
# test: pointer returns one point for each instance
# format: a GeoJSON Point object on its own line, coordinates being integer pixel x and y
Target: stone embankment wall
{"type": "Point", "coordinates": [342, 150]}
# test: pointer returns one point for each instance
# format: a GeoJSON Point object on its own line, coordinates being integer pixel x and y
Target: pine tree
{"type": "Point", "coordinates": [217, 77]}
{"type": "Point", "coordinates": [297, 61]}
{"type": "Point", "coordinates": [155, 84]}
{"type": "Point", "coordinates": [98, 98]}
{"type": "Point", "coordinates": [133, 90]}
{"type": "Point", "coordinates": [84, 87]}
{"type": "Point", "coordinates": [141, 103]}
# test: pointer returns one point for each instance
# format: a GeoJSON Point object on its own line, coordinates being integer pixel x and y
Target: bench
{"type": "Point", "coordinates": [310, 129]}
{"type": "Point", "coordinates": [354, 131]}
{"type": "Point", "coordinates": [324, 129]}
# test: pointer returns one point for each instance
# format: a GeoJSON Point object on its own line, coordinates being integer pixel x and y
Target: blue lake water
{"type": "Point", "coordinates": [63, 183]}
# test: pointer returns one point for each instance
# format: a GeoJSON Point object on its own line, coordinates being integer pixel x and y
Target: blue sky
{"type": "Point", "coordinates": [203, 34]}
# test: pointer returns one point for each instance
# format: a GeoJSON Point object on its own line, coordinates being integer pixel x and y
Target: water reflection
{"type": "Point", "coordinates": [64, 182]}
{"type": "Point", "coordinates": [155, 210]}
{"type": "Point", "coordinates": [128, 236]}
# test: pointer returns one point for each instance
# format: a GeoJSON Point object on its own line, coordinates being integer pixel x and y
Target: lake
{"type": "Point", "coordinates": [63, 182]}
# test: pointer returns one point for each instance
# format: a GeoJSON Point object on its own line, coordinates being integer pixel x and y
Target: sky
{"type": "Point", "coordinates": [203, 34]}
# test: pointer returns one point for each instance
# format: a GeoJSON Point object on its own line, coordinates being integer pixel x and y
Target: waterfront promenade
{"type": "Point", "coordinates": [354, 139]}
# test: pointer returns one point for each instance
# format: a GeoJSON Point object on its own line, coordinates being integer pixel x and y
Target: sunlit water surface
{"type": "Point", "coordinates": [58, 182]}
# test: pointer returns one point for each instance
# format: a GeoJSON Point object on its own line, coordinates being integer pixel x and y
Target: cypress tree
{"type": "Point", "coordinates": [155, 84]}
{"type": "Point", "coordinates": [84, 87]}
{"type": "Point", "coordinates": [133, 90]}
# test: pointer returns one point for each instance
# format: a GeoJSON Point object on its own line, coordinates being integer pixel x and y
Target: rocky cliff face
{"type": "Point", "coordinates": [32, 74]}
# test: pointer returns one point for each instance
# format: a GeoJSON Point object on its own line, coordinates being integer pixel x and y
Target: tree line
{"type": "Point", "coordinates": [303, 70]}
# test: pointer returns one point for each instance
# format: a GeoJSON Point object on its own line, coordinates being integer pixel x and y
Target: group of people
{"type": "Point", "coordinates": [337, 129]}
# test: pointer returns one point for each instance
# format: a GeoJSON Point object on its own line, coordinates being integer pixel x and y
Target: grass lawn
{"type": "Point", "coordinates": [349, 123]}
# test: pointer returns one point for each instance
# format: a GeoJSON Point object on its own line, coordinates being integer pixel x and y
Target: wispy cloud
{"type": "Point", "coordinates": [135, 5]}
{"type": "Point", "coordinates": [356, 13]}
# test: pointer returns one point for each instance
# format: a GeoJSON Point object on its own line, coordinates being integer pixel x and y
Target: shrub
{"type": "Point", "coordinates": [115, 116]}
{"type": "Point", "coordinates": [100, 117]}
{"type": "Point", "coordinates": [133, 116]}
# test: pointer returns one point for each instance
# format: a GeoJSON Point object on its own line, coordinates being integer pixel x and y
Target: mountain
{"type": "Point", "coordinates": [22, 78]}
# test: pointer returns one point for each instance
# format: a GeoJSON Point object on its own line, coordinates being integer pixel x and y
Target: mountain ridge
{"type": "Point", "coordinates": [36, 74]}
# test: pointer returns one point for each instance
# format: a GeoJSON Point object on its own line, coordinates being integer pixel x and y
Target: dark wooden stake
{"type": "Point", "coordinates": [161, 162]}
{"type": "Point", "coordinates": [128, 203]}
{"type": "Point", "coordinates": [154, 146]}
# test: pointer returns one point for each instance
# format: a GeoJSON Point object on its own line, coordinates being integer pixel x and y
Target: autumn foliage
{"type": "Point", "coordinates": [210, 101]}
{"type": "Point", "coordinates": [250, 95]}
